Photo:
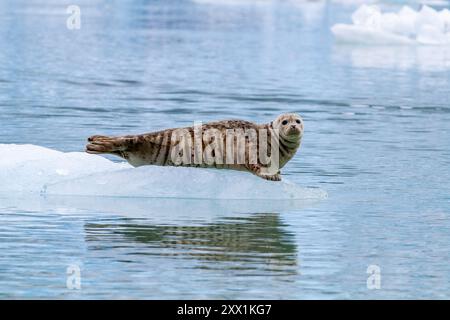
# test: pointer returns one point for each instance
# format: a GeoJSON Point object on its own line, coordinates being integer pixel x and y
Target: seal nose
{"type": "Point", "coordinates": [293, 126]}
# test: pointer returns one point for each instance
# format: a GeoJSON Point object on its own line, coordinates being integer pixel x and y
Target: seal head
{"type": "Point", "coordinates": [290, 127]}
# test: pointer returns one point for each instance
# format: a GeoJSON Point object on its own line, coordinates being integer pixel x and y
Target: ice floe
{"type": "Point", "coordinates": [29, 169]}
{"type": "Point", "coordinates": [405, 27]}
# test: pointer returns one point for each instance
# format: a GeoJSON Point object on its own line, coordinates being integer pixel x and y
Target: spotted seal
{"type": "Point", "coordinates": [262, 149]}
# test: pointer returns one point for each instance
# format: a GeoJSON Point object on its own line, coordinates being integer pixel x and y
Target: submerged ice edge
{"type": "Point", "coordinates": [169, 211]}
{"type": "Point", "coordinates": [370, 26]}
{"type": "Point", "coordinates": [30, 169]}
{"type": "Point", "coordinates": [181, 183]}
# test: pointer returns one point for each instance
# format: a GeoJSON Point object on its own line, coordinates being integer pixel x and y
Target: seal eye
{"type": "Point", "coordinates": [298, 121]}
{"type": "Point", "coordinates": [284, 122]}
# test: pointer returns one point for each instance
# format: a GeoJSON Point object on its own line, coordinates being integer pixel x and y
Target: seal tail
{"type": "Point", "coordinates": [103, 144]}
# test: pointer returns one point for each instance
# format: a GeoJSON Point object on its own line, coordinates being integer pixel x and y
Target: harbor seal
{"type": "Point", "coordinates": [261, 149]}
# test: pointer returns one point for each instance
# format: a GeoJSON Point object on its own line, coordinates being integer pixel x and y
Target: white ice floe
{"type": "Point", "coordinates": [370, 26]}
{"type": "Point", "coordinates": [29, 169]}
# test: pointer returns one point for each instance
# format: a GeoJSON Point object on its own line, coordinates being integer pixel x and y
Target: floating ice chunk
{"type": "Point", "coordinates": [367, 16]}
{"type": "Point", "coordinates": [15, 154]}
{"type": "Point", "coordinates": [408, 13]}
{"type": "Point", "coordinates": [431, 26]}
{"type": "Point", "coordinates": [431, 35]}
{"type": "Point", "coordinates": [397, 24]}
{"type": "Point", "coordinates": [425, 58]}
{"type": "Point", "coordinates": [370, 26]}
{"type": "Point", "coordinates": [407, 18]}
{"type": "Point", "coordinates": [390, 21]}
{"type": "Point", "coordinates": [179, 182]}
{"type": "Point", "coordinates": [29, 169]}
{"type": "Point", "coordinates": [429, 17]}
{"type": "Point", "coordinates": [444, 15]}
{"type": "Point", "coordinates": [355, 35]}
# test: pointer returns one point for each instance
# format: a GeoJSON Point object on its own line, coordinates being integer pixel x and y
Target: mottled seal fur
{"type": "Point", "coordinates": [212, 145]}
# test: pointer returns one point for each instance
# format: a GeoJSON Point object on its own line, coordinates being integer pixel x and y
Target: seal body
{"type": "Point", "coordinates": [228, 144]}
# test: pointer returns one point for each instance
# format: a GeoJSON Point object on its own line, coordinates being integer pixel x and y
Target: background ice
{"type": "Point", "coordinates": [29, 169]}
{"type": "Point", "coordinates": [370, 26]}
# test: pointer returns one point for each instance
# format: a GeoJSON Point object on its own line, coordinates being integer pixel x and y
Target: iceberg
{"type": "Point", "coordinates": [31, 170]}
{"type": "Point", "coordinates": [28, 169]}
{"type": "Point", "coordinates": [407, 27]}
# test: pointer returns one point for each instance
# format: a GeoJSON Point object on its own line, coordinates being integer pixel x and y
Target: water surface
{"type": "Point", "coordinates": [377, 141]}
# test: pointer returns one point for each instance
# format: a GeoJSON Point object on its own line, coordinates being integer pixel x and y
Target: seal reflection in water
{"type": "Point", "coordinates": [229, 144]}
{"type": "Point", "coordinates": [254, 243]}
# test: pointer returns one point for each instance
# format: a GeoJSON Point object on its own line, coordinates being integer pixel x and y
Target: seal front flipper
{"type": "Point", "coordinates": [274, 177]}
{"type": "Point", "coordinates": [257, 170]}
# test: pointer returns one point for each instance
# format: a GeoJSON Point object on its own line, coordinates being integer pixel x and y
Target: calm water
{"type": "Point", "coordinates": [377, 140]}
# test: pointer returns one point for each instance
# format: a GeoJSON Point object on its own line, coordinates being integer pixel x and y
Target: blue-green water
{"type": "Point", "coordinates": [377, 141]}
